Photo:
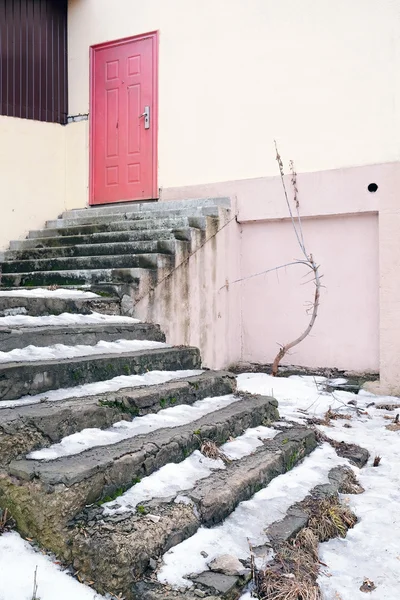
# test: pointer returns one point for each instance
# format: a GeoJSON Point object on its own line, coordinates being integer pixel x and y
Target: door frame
{"type": "Point", "coordinates": [154, 36]}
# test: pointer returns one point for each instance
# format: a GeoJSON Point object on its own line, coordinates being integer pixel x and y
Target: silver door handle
{"type": "Point", "coordinates": [146, 115]}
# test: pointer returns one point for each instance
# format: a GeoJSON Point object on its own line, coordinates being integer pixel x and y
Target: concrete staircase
{"type": "Point", "coordinates": [121, 249]}
{"type": "Point", "coordinates": [92, 403]}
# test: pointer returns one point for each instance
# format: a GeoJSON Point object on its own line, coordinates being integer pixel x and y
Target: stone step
{"type": "Point", "coordinates": [71, 335]}
{"type": "Point", "coordinates": [43, 306]}
{"type": "Point", "coordinates": [77, 263]}
{"type": "Point", "coordinates": [92, 277]}
{"type": "Point", "coordinates": [46, 496]}
{"type": "Point", "coordinates": [36, 377]}
{"type": "Point", "coordinates": [174, 247]}
{"type": "Point", "coordinates": [147, 206]}
{"type": "Point", "coordinates": [184, 234]}
{"type": "Point", "coordinates": [90, 219]}
{"type": "Point", "coordinates": [115, 551]}
{"type": "Point", "coordinates": [30, 427]}
{"type": "Point", "coordinates": [145, 224]}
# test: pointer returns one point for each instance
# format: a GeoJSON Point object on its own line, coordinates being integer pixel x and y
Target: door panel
{"type": "Point", "coordinates": [123, 146]}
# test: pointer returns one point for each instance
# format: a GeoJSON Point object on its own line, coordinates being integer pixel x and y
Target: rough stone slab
{"type": "Point", "coordinates": [37, 307]}
{"type": "Point", "coordinates": [27, 428]}
{"type": "Point", "coordinates": [74, 277]}
{"type": "Point", "coordinates": [152, 206]}
{"type": "Point", "coordinates": [103, 238]}
{"type": "Point", "coordinates": [77, 263]}
{"type": "Point", "coordinates": [45, 496]}
{"type": "Point", "coordinates": [145, 224]}
{"type": "Point", "coordinates": [162, 213]}
{"type": "Point", "coordinates": [19, 379]}
{"type": "Point", "coordinates": [115, 248]}
{"type": "Point", "coordinates": [117, 550]}
{"type": "Point", "coordinates": [70, 335]}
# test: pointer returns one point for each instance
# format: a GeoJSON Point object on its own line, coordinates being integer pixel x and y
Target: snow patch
{"type": "Point", "coordinates": [63, 320]}
{"type": "Point", "coordinates": [179, 477]}
{"type": "Point", "coordinates": [45, 293]}
{"type": "Point", "coordinates": [102, 387]}
{"type": "Point", "coordinates": [249, 520]}
{"type": "Point", "coordinates": [61, 351]}
{"type": "Point", "coordinates": [168, 417]}
{"type": "Point", "coordinates": [18, 561]}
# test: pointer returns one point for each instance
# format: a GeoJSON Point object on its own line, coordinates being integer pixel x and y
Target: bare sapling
{"type": "Point", "coordinates": [308, 261]}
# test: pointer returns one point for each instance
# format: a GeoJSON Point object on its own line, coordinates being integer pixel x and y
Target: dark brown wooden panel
{"type": "Point", "coordinates": [33, 59]}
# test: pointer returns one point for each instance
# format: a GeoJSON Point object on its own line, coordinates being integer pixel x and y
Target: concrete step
{"type": "Point", "coordinates": [115, 249]}
{"type": "Point", "coordinates": [111, 237]}
{"type": "Point", "coordinates": [78, 263]}
{"type": "Point", "coordinates": [30, 427]}
{"type": "Point", "coordinates": [75, 278]}
{"type": "Point", "coordinates": [70, 335]}
{"type": "Point", "coordinates": [131, 541]}
{"type": "Point", "coordinates": [43, 306]}
{"type": "Point", "coordinates": [165, 213]}
{"type": "Point", "coordinates": [36, 377]}
{"type": "Point", "coordinates": [129, 225]}
{"type": "Point", "coordinates": [126, 207]}
{"type": "Point", "coordinates": [82, 479]}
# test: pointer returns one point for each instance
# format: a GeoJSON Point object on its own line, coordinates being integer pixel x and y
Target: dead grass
{"type": "Point", "coordinates": [6, 521]}
{"type": "Point", "coordinates": [350, 485]}
{"type": "Point", "coordinates": [377, 461]}
{"type": "Point", "coordinates": [211, 450]}
{"type": "Point", "coordinates": [293, 573]}
{"type": "Point", "coordinates": [328, 518]}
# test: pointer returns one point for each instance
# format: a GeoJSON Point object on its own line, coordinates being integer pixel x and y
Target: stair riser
{"type": "Point", "coordinates": [129, 551]}
{"type": "Point", "coordinates": [45, 515]}
{"type": "Point", "coordinates": [132, 216]}
{"type": "Point", "coordinates": [72, 336]}
{"type": "Point", "coordinates": [147, 207]}
{"type": "Point", "coordinates": [124, 261]}
{"type": "Point", "coordinates": [38, 307]}
{"type": "Point", "coordinates": [20, 379]}
{"type": "Point", "coordinates": [78, 278]}
{"type": "Point", "coordinates": [177, 223]}
{"type": "Point", "coordinates": [102, 238]}
{"type": "Point", "coordinates": [39, 425]}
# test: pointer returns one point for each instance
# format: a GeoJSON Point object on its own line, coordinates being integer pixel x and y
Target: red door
{"type": "Point", "coordinates": [123, 154]}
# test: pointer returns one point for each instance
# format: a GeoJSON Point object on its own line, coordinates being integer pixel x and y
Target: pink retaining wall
{"type": "Point", "coordinates": [354, 235]}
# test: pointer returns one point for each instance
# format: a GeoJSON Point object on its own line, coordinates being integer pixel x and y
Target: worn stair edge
{"type": "Point", "coordinates": [37, 307]}
{"type": "Point", "coordinates": [162, 213]}
{"type": "Point", "coordinates": [44, 496]}
{"type": "Point", "coordinates": [130, 276]}
{"type": "Point", "coordinates": [279, 532]}
{"type": "Point", "coordinates": [72, 335]}
{"type": "Point", "coordinates": [183, 234]}
{"type": "Point", "coordinates": [27, 428]}
{"type": "Point", "coordinates": [223, 201]}
{"type": "Point", "coordinates": [153, 260]}
{"type": "Point", "coordinates": [29, 378]}
{"type": "Point", "coordinates": [128, 541]}
{"type": "Point", "coordinates": [148, 224]}
{"type": "Point", "coordinates": [108, 248]}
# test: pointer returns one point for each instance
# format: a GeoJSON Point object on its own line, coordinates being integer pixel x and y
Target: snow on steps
{"type": "Point", "coordinates": [35, 377]}
{"type": "Point", "coordinates": [26, 428]}
{"type": "Point", "coordinates": [46, 496]}
{"type": "Point", "coordinates": [116, 551]}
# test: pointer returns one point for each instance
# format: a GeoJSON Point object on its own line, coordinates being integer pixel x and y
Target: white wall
{"type": "Point", "coordinates": [321, 77]}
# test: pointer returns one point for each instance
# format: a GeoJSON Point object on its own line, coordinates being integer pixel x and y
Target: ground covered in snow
{"type": "Point", "coordinates": [370, 550]}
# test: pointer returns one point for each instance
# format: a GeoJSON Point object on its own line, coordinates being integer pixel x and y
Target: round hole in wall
{"type": "Point", "coordinates": [373, 187]}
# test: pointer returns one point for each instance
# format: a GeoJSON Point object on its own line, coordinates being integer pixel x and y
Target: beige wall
{"type": "Point", "coordinates": [32, 176]}
{"type": "Point", "coordinates": [321, 77]}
